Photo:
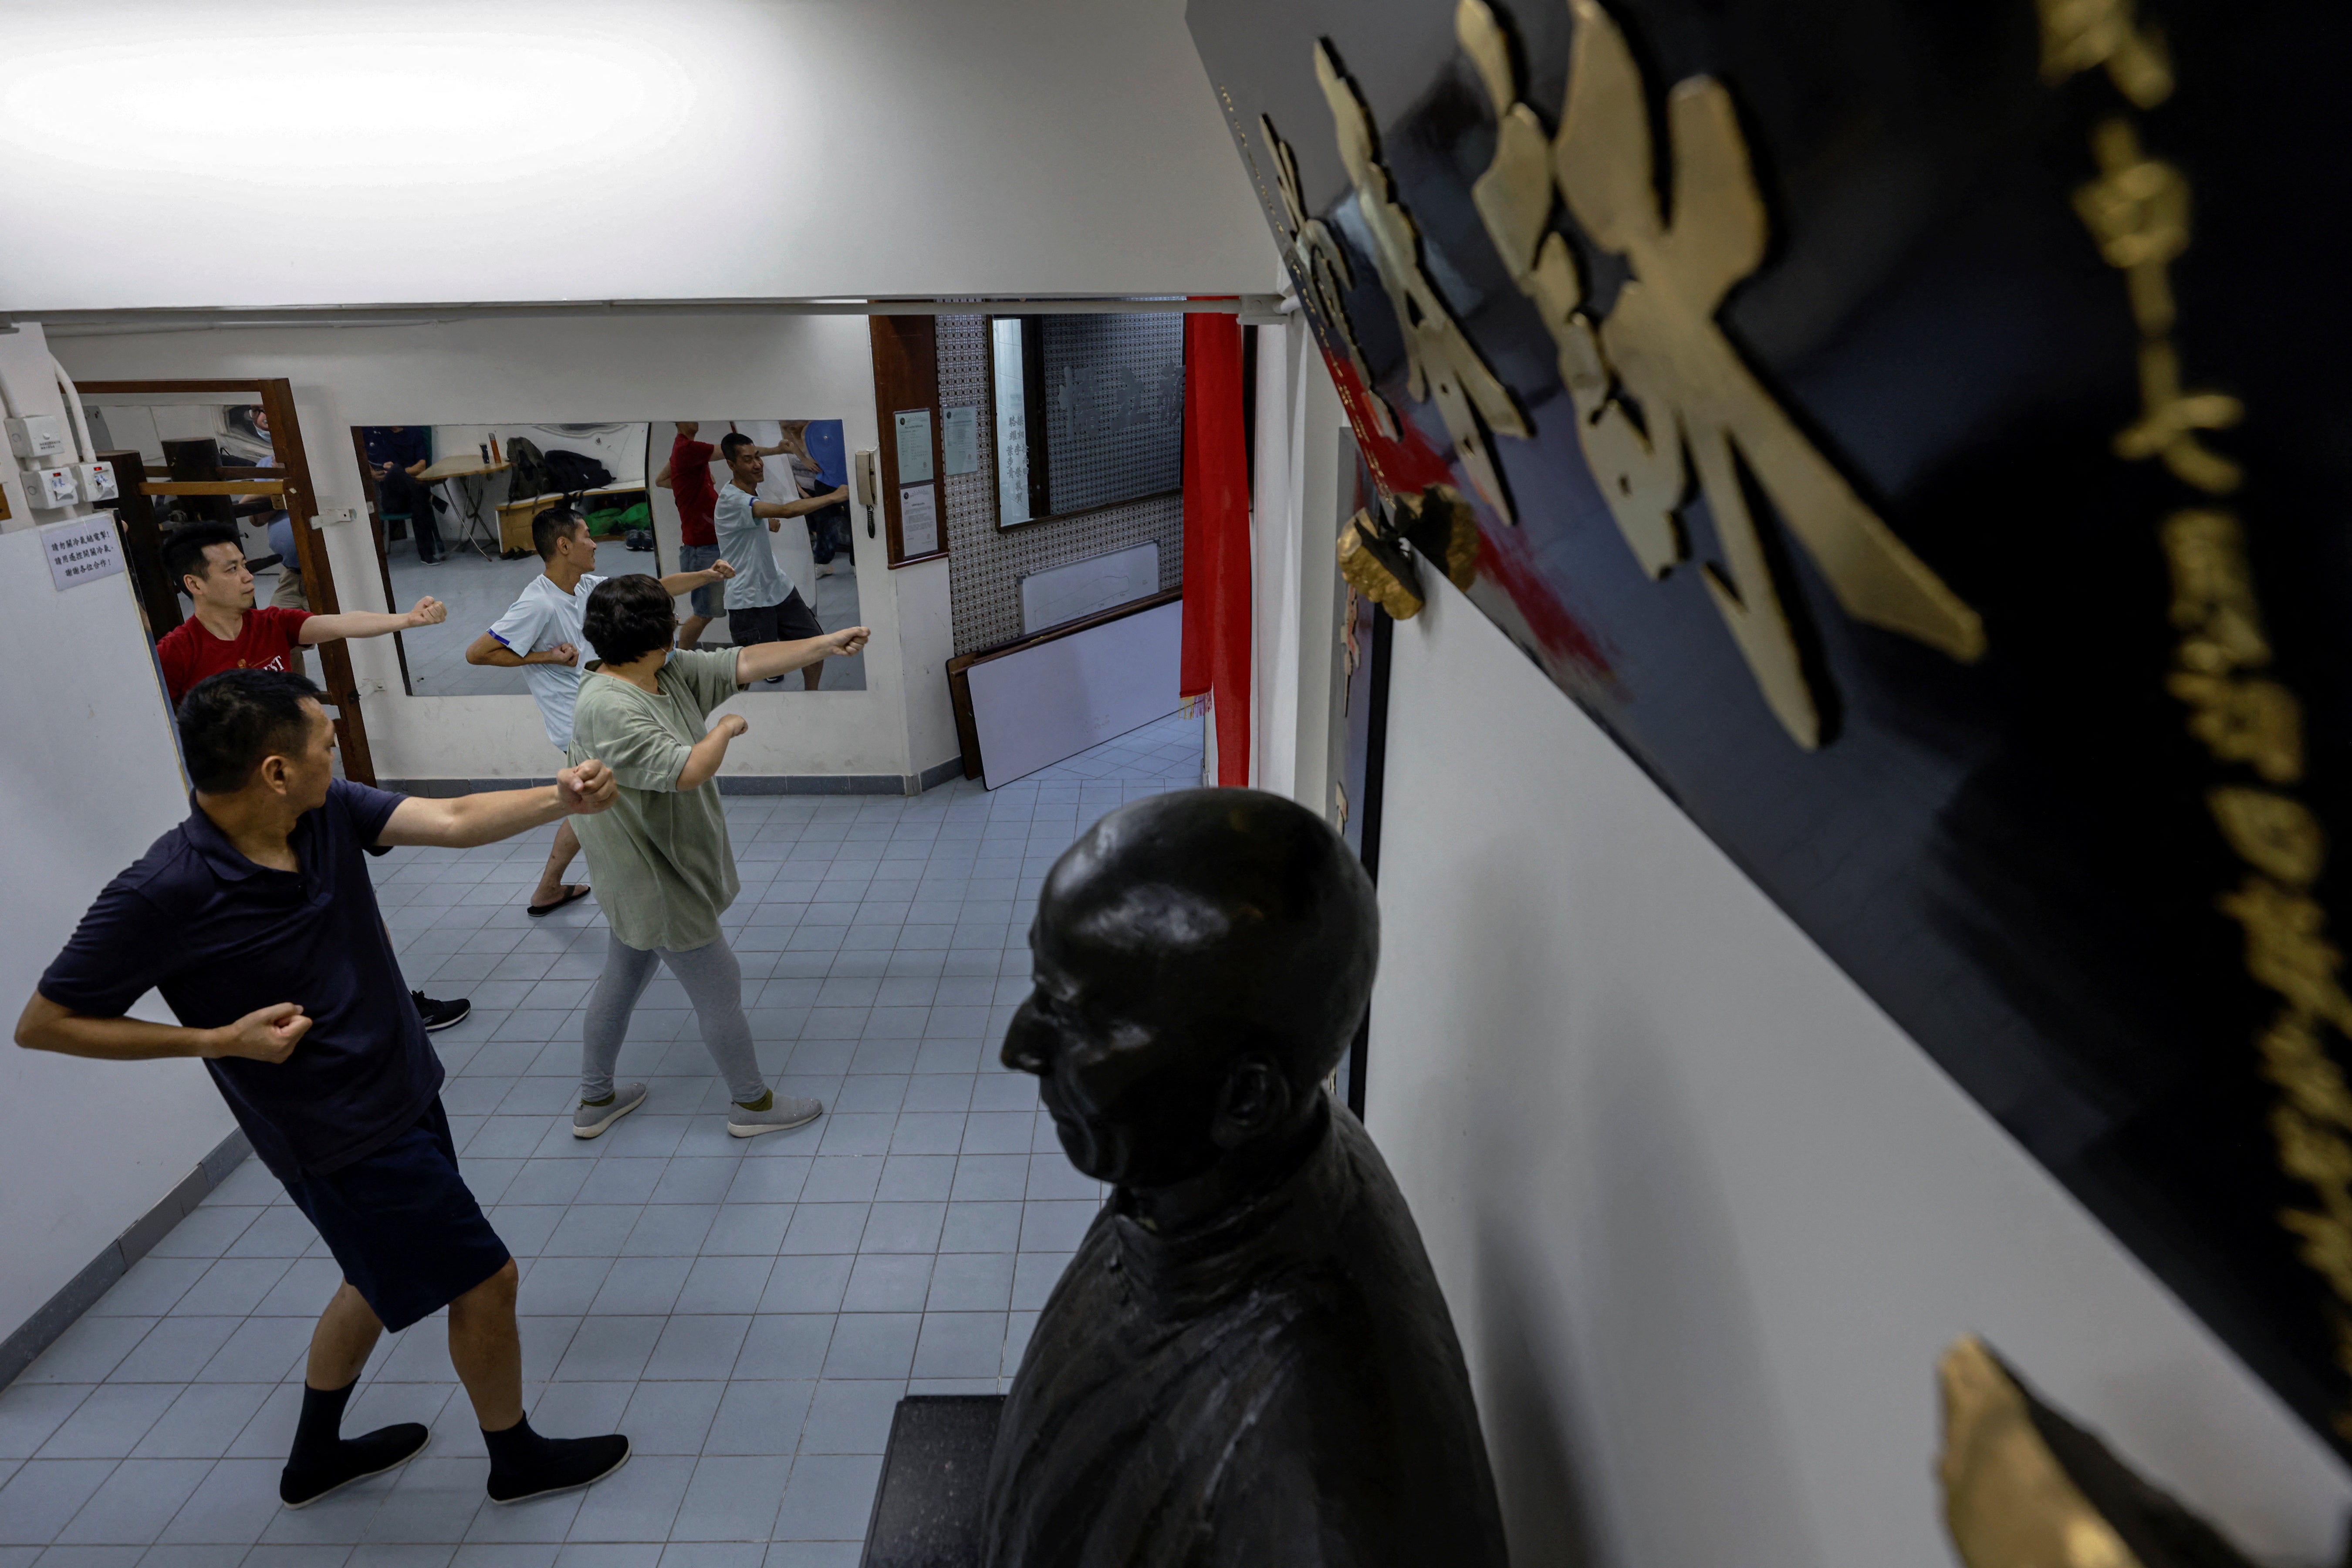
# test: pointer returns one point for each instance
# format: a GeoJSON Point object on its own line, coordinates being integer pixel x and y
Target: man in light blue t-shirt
{"type": "Point", "coordinates": [540, 634]}
{"type": "Point", "coordinates": [762, 606]}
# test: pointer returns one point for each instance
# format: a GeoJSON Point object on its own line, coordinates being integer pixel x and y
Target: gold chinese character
{"type": "Point", "coordinates": [2327, 1246]}
{"type": "Point", "coordinates": [2170, 418]}
{"type": "Point", "coordinates": [2316, 1156]}
{"type": "Point", "coordinates": [1643, 479]}
{"type": "Point", "coordinates": [2212, 594]}
{"type": "Point", "coordinates": [2257, 723]}
{"type": "Point", "coordinates": [1321, 267]}
{"type": "Point", "coordinates": [1441, 362]}
{"type": "Point", "coordinates": [1661, 347]}
{"type": "Point", "coordinates": [2288, 949]}
{"type": "Point", "coordinates": [2138, 209]}
{"type": "Point", "coordinates": [2274, 834]}
{"type": "Point", "coordinates": [2085, 34]}
{"type": "Point", "coordinates": [2294, 1058]}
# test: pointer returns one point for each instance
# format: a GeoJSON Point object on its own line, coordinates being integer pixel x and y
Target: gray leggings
{"type": "Point", "coordinates": [714, 983]}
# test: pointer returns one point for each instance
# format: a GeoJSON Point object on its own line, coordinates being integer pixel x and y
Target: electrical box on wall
{"type": "Point", "coordinates": [36, 438]}
{"type": "Point", "coordinates": [97, 481]}
{"type": "Point", "coordinates": [46, 490]}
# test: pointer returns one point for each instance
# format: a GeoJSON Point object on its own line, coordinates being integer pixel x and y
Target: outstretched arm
{"type": "Point", "coordinates": [679, 582]}
{"type": "Point", "coordinates": [801, 507]}
{"type": "Point", "coordinates": [429, 611]}
{"type": "Point", "coordinates": [265, 1034]}
{"type": "Point", "coordinates": [467, 820]}
{"type": "Point", "coordinates": [765, 660]}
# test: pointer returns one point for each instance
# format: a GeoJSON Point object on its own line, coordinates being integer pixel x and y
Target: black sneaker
{"type": "Point", "coordinates": [563, 1465]}
{"type": "Point", "coordinates": [354, 1459]}
{"type": "Point", "coordinates": [439, 1015]}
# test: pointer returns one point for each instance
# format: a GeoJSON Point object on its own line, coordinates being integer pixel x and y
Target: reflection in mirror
{"type": "Point", "coordinates": [779, 515]}
{"type": "Point", "coordinates": [196, 441]}
{"type": "Point", "coordinates": [456, 503]}
{"type": "Point", "coordinates": [459, 505]}
{"type": "Point", "coordinates": [1089, 411]}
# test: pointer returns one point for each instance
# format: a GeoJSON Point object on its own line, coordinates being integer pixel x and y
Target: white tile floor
{"type": "Point", "coordinates": [747, 1312]}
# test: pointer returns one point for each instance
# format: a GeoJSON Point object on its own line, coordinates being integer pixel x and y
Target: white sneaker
{"type": "Point", "coordinates": [783, 1113]}
{"type": "Point", "coordinates": [588, 1121]}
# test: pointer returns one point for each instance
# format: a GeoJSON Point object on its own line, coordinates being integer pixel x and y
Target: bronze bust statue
{"type": "Point", "coordinates": [1248, 1361]}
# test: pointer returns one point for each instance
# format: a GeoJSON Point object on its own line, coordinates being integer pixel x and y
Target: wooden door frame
{"type": "Point", "coordinates": [907, 377]}
{"type": "Point", "coordinates": [276, 395]}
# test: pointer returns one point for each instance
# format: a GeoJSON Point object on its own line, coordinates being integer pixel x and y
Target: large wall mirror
{"type": "Point", "coordinates": [1088, 412]}
{"type": "Point", "coordinates": [459, 502]}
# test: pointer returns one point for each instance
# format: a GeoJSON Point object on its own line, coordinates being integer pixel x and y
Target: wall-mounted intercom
{"type": "Point", "coordinates": [866, 488]}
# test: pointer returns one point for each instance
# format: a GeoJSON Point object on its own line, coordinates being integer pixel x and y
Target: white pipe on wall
{"type": "Point", "coordinates": [83, 449]}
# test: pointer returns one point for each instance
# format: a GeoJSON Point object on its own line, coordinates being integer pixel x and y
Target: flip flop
{"type": "Point", "coordinates": [571, 890]}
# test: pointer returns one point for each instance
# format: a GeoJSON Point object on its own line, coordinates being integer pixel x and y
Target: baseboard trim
{"type": "Point", "coordinates": [62, 1310]}
{"type": "Point", "coordinates": [812, 784]}
{"type": "Point", "coordinates": [938, 774]}
{"type": "Point", "coordinates": [728, 784]}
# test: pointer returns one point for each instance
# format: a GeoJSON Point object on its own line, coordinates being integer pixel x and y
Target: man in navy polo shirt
{"type": "Point", "coordinates": [257, 921]}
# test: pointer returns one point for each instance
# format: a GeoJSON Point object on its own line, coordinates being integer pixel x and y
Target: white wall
{"type": "Point", "coordinates": [369, 151]}
{"type": "Point", "coordinates": [1704, 1214]}
{"type": "Point", "coordinates": [1293, 569]}
{"type": "Point", "coordinates": [502, 373]}
{"type": "Point", "coordinates": [89, 778]}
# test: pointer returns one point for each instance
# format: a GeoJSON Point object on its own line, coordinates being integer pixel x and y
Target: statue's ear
{"type": "Point", "coordinates": [1254, 1099]}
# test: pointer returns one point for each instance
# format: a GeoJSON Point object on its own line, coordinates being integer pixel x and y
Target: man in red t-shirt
{"type": "Point", "coordinates": [207, 563]}
{"type": "Point", "coordinates": [686, 476]}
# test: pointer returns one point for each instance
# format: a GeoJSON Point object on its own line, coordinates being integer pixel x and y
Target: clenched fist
{"type": "Point", "coordinates": [586, 789]}
{"type": "Point", "coordinates": [265, 1034]}
{"type": "Point", "coordinates": [430, 612]}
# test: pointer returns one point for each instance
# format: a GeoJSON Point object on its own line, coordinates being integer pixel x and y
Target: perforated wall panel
{"type": "Point", "coordinates": [985, 563]}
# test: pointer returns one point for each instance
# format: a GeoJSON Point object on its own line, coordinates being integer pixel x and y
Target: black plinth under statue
{"type": "Point", "coordinates": [1248, 1361]}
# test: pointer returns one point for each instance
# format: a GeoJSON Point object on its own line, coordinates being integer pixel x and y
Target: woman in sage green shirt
{"type": "Point", "coordinates": [659, 858]}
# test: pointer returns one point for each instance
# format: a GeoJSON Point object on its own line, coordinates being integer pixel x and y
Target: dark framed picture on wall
{"type": "Point", "coordinates": [1088, 412]}
{"type": "Point", "coordinates": [910, 462]}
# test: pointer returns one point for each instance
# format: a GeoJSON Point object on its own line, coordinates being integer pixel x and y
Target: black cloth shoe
{"type": "Point", "coordinates": [353, 1459]}
{"type": "Point", "coordinates": [439, 1015]}
{"type": "Point", "coordinates": [525, 1465]}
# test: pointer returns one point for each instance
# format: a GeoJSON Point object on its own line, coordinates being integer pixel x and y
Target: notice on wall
{"type": "Point", "coordinates": [81, 550]}
{"type": "Point", "coordinates": [914, 426]}
{"type": "Point", "coordinates": [918, 520]}
{"type": "Point", "coordinates": [959, 440]}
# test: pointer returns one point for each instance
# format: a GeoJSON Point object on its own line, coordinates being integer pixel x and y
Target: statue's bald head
{"type": "Point", "coordinates": [1181, 935]}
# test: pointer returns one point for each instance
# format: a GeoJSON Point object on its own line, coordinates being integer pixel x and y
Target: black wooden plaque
{"type": "Point", "coordinates": [2014, 333]}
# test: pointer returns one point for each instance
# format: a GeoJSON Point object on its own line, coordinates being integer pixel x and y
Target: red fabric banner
{"type": "Point", "coordinates": [1216, 660]}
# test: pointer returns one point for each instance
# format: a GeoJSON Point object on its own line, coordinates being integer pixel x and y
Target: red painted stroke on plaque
{"type": "Point", "coordinates": [1408, 465]}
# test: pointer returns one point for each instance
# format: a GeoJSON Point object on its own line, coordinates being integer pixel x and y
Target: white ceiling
{"type": "Point", "coordinates": [250, 153]}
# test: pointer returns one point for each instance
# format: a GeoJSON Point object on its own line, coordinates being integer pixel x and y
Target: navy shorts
{"type": "Point", "coordinates": [791, 621]}
{"type": "Point", "coordinates": [403, 1224]}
